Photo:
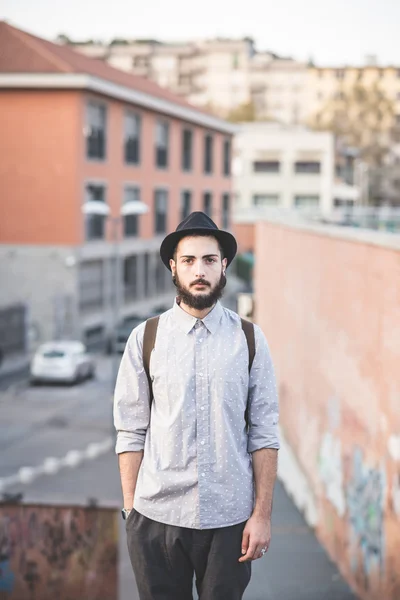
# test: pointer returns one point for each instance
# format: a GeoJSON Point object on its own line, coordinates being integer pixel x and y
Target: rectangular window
{"type": "Point", "coordinates": [132, 129]}
{"type": "Point", "coordinates": [160, 211]}
{"type": "Point", "coordinates": [225, 211]}
{"type": "Point", "coordinates": [95, 224]}
{"type": "Point", "coordinates": [266, 166]}
{"type": "Point", "coordinates": [160, 275]}
{"type": "Point", "coordinates": [130, 278]}
{"type": "Point", "coordinates": [95, 131]}
{"type": "Point", "coordinates": [227, 157]}
{"type": "Point", "coordinates": [187, 149]}
{"type": "Point", "coordinates": [207, 203]}
{"type": "Point", "coordinates": [208, 153]}
{"type": "Point", "coordinates": [265, 199]}
{"type": "Point", "coordinates": [307, 167]}
{"type": "Point", "coordinates": [91, 285]}
{"type": "Point", "coordinates": [147, 275]}
{"type": "Point", "coordinates": [186, 204]}
{"type": "Point", "coordinates": [131, 222]}
{"type": "Point", "coordinates": [306, 201]}
{"type": "Point", "coordinates": [162, 140]}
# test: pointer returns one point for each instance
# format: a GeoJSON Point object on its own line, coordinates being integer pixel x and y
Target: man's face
{"type": "Point", "coordinates": [199, 271]}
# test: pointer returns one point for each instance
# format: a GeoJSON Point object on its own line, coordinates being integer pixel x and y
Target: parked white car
{"type": "Point", "coordinates": [62, 361]}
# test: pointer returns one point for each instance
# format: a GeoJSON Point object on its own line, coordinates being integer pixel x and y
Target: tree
{"type": "Point", "coordinates": [360, 118]}
{"type": "Point", "coordinates": [243, 113]}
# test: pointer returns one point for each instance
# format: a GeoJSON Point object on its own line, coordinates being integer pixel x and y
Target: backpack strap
{"type": "Point", "coordinates": [149, 340]}
{"type": "Point", "coordinates": [248, 329]}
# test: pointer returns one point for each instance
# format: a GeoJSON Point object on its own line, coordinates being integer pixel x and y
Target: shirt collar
{"type": "Point", "coordinates": [186, 322]}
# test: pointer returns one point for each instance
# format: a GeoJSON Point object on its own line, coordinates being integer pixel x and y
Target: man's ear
{"type": "Point", "coordinates": [172, 265]}
{"type": "Point", "coordinates": [224, 264]}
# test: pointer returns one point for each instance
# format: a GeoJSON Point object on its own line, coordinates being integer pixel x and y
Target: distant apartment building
{"type": "Point", "coordinates": [77, 133]}
{"type": "Point", "coordinates": [329, 83]}
{"type": "Point", "coordinates": [223, 74]}
{"type": "Point", "coordinates": [220, 74]}
{"type": "Point", "coordinates": [279, 168]}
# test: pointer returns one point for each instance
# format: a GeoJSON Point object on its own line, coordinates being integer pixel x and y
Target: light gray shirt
{"type": "Point", "coordinates": [197, 469]}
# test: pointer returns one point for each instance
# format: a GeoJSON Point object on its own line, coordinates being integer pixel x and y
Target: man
{"type": "Point", "coordinates": [197, 483]}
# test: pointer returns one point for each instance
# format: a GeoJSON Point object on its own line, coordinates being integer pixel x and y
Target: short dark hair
{"type": "Point", "coordinates": [200, 234]}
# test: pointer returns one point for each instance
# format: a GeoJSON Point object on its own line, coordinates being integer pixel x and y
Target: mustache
{"type": "Point", "coordinates": [202, 281]}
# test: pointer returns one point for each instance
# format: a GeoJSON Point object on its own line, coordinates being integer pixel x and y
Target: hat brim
{"type": "Point", "coordinates": [225, 238]}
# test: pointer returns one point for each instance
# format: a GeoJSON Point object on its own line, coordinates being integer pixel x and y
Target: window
{"type": "Point", "coordinates": [162, 138]}
{"type": "Point", "coordinates": [266, 166]}
{"type": "Point", "coordinates": [339, 73]}
{"type": "Point", "coordinates": [313, 167]}
{"type": "Point", "coordinates": [95, 224]}
{"type": "Point", "coordinates": [187, 149]}
{"type": "Point", "coordinates": [91, 284]}
{"type": "Point", "coordinates": [95, 131]}
{"type": "Point", "coordinates": [132, 127]}
{"type": "Point", "coordinates": [186, 201]}
{"type": "Point", "coordinates": [147, 274]}
{"type": "Point", "coordinates": [235, 61]}
{"type": "Point", "coordinates": [130, 278]}
{"type": "Point", "coordinates": [265, 199]}
{"type": "Point", "coordinates": [131, 222]}
{"type": "Point", "coordinates": [207, 203]}
{"type": "Point", "coordinates": [208, 154]}
{"type": "Point", "coordinates": [227, 157]}
{"type": "Point", "coordinates": [160, 211]}
{"type": "Point", "coordinates": [160, 275]}
{"type": "Point", "coordinates": [306, 201]}
{"type": "Point", "coordinates": [225, 211]}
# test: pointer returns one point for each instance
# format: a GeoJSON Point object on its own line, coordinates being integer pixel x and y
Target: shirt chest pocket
{"type": "Point", "coordinates": [231, 388]}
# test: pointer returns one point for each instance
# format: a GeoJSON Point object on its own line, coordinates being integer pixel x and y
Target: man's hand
{"type": "Point", "coordinates": [256, 535]}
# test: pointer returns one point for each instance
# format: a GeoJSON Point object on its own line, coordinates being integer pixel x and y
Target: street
{"type": "Point", "coordinates": [51, 421]}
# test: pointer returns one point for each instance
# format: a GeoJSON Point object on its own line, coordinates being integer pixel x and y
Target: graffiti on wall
{"type": "Point", "coordinates": [64, 552]}
{"type": "Point", "coordinates": [365, 496]}
{"type": "Point", "coordinates": [331, 472]}
{"type": "Point", "coordinates": [330, 460]}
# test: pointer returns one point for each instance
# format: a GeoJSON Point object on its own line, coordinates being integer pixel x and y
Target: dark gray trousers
{"type": "Point", "coordinates": [165, 558]}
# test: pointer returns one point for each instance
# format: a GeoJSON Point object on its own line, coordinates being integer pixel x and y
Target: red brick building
{"type": "Point", "coordinates": [75, 130]}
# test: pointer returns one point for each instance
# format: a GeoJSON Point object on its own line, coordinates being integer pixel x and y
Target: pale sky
{"type": "Point", "coordinates": [332, 32]}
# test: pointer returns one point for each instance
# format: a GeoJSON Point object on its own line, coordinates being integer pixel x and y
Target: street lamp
{"type": "Point", "coordinates": [98, 208]}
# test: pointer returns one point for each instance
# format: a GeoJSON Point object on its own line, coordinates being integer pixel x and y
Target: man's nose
{"type": "Point", "coordinates": [199, 270]}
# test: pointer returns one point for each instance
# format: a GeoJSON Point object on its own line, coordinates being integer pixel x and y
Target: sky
{"type": "Point", "coordinates": [331, 32]}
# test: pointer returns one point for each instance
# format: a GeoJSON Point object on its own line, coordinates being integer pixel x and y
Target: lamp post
{"type": "Point", "coordinates": [99, 208]}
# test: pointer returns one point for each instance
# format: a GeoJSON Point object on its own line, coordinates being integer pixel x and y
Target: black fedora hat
{"type": "Point", "coordinates": [197, 222]}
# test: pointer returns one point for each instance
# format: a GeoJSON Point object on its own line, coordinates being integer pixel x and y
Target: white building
{"type": "Point", "coordinates": [281, 167]}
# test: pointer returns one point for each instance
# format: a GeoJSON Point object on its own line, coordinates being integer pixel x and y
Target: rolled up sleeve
{"type": "Point", "coordinates": [131, 396]}
{"type": "Point", "coordinates": [263, 399]}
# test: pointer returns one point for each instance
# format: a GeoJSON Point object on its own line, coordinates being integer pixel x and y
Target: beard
{"type": "Point", "coordinates": [200, 301]}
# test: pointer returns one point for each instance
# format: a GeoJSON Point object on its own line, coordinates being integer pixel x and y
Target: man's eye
{"type": "Point", "coordinates": [211, 260]}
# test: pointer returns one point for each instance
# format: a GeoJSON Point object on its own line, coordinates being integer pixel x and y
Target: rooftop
{"type": "Point", "coordinates": [26, 55]}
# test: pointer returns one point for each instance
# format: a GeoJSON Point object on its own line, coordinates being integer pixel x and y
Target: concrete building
{"type": "Point", "coordinates": [76, 133]}
{"type": "Point", "coordinates": [279, 168]}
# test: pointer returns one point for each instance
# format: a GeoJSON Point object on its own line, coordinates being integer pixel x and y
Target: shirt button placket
{"type": "Point", "coordinates": [202, 414]}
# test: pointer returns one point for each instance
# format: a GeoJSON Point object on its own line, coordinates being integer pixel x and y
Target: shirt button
{"type": "Point", "coordinates": [200, 374]}
{"type": "Point", "coordinates": [203, 474]}
{"type": "Point", "coordinates": [201, 407]}
{"type": "Point", "coordinates": [202, 442]}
